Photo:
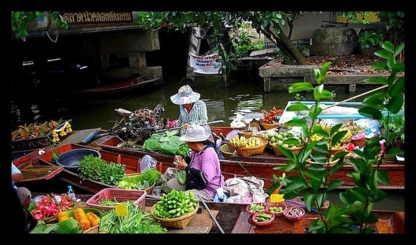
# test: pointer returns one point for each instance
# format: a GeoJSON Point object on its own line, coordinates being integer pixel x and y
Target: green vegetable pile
{"type": "Point", "coordinates": [137, 221]}
{"type": "Point", "coordinates": [167, 143]}
{"type": "Point", "coordinates": [69, 226]}
{"type": "Point", "coordinates": [94, 168]}
{"type": "Point", "coordinates": [140, 181]}
{"type": "Point", "coordinates": [175, 204]}
{"type": "Point", "coordinates": [263, 217]}
{"type": "Point", "coordinates": [256, 207]}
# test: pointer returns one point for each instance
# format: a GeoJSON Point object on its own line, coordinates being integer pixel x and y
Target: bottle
{"type": "Point", "coordinates": [71, 193]}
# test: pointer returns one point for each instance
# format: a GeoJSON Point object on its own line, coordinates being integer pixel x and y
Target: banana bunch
{"type": "Point", "coordinates": [243, 142]}
{"type": "Point", "coordinates": [347, 137]}
{"type": "Point", "coordinates": [325, 126]}
{"type": "Point", "coordinates": [316, 137]}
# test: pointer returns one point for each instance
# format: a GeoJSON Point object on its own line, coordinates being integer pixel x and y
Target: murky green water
{"type": "Point", "coordinates": [222, 103]}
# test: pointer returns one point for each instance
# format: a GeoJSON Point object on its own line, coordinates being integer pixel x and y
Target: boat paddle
{"type": "Point", "coordinates": [212, 216]}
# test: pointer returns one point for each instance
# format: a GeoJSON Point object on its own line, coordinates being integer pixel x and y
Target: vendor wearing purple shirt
{"type": "Point", "coordinates": [202, 166]}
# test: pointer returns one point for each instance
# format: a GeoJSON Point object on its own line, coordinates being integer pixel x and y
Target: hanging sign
{"type": "Point", "coordinates": [207, 64]}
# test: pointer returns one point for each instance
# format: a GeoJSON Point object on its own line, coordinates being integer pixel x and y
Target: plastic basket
{"type": "Point", "coordinates": [227, 151]}
{"type": "Point", "coordinates": [119, 195]}
{"type": "Point", "coordinates": [180, 222]}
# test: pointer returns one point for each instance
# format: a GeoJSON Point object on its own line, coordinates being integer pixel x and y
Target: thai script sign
{"type": "Point", "coordinates": [87, 17]}
{"type": "Point", "coordinates": [205, 64]}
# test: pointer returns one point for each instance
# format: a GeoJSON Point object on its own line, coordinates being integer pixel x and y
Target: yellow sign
{"type": "Point", "coordinates": [121, 209]}
{"type": "Point", "coordinates": [276, 198]}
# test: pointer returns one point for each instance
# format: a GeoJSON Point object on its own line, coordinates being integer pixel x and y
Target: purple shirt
{"type": "Point", "coordinates": [208, 162]}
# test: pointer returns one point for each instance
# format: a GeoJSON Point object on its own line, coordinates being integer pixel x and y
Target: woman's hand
{"type": "Point", "coordinates": [180, 162]}
{"type": "Point", "coordinates": [185, 126]}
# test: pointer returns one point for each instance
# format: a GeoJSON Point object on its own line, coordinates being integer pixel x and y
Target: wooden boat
{"type": "Point", "coordinates": [233, 218]}
{"type": "Point", "coordinates": [260, 166]}
{"type": "Point", "coordinates": [119, 86]}
{"type": "Point", "coordinates": [32, 172]}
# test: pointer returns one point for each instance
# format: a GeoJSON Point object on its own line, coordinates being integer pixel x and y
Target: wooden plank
{"type": "Point", "coordinates": [34, 173]}
{"type": "Point", "coordinates": [199, 224]}
{"type": "Point", "coordinates": [281, 225]}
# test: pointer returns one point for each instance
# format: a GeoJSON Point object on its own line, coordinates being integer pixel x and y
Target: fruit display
{"type": "Point", "coordinates": [50, 206]}
{"type": "Point", "coordinates": [270, 117]}
{"type": "Point", "coordinates": [33, 130]}
{"type": "Point", "coordinates": [286, 139]}
{"type": "Point", "coordinates": [246, 142]}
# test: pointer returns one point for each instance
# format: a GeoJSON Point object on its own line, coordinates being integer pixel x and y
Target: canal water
{"type": "Point", "coordinates": [241, 95]}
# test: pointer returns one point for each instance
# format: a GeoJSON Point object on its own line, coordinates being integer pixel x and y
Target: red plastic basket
{"type": "Point", "coordinates": [119, 195]}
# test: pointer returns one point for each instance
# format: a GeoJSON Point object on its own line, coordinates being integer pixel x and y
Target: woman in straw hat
{"type": "Point", "coordinates": [202, 166]}
{"type": "Point", "coordinates": [192, 110]}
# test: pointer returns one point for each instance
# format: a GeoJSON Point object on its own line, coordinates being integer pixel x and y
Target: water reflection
{"type": "Point", "coordinates": [222, 103]}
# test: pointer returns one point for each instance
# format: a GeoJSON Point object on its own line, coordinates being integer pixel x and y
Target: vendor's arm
{"type": "Point", "coordinates": [16, 174]}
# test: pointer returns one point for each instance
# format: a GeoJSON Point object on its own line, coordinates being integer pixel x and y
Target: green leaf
{"type": "Point", "coordinates": [388, 46]}
{"type": "Point", "coordinates": [395, 103]}
{"type": "Point", "coordinates": [383, 54]}
{"type": "Point", "coordinates": [297, 107]}
{"type": "Point", "coordinates": [370, 112]}
{"type": "Point", "coordinates": [293, 186]}
{"type": "Point", "coordinates": [300, 87]}
{"type": "Point", "coordinates": [308, 198]}
{"type": "Point", "coordinates": [334, 184]}
{"type": "Point", "coordinates": [375, 100]}
{"type": "Point", "coordinates": [399, 49]}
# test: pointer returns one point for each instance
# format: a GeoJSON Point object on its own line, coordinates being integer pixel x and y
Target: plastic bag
{"type": "Point", "coordinates": [146, 163]}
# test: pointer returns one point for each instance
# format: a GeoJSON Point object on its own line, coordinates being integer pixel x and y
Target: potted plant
{"type": "Point", "coordinates": [369, 42]}
{"type": "Point", "coordinates": [314, 182]}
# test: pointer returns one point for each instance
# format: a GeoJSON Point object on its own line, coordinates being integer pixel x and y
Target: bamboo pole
{"type": "Point", "coordinates": [357, 96]}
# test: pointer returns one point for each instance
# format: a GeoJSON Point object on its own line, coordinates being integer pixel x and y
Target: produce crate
{"type": "Point", "coordinates": [120, 195]}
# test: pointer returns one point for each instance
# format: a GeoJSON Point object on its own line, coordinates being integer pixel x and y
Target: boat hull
{"type": "Point", "coordinates": [260, 166]}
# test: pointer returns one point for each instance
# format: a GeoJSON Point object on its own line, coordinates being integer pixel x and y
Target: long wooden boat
{"type": "Point", "coordinates": [232, 218]}
{"type": "Point", "coordinates": [260, 166]}
{"type": "Point", "coordinates": [33, 172]}
{"type": "Point", "coordinates": [119, 86]}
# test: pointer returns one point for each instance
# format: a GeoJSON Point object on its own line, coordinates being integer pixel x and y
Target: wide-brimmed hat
{"type": "Point", "coordinates": [195, 133]}
{"type": "Point", "coordinates": [185, 95]}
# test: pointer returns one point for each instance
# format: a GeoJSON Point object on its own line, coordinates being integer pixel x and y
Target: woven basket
{"type": "Point", "coordinates": [250, 151]}
{"type": "Point", "coordinates": [278, 153]}
{"type": "Point", "coordinates": [245, 133]}
{"type": "Point", "coordinates": [180, 222]}
{"type": "Point", "coordinates": [331, 164]}
{"type": "Point", "coordinates": [360, 143]}
{"type": "Point", "coordinates": [227, 151]}
{"type": "Point", "coordinates": [267, 126]}
{"type": "Point", "coordinates": [120, 195]}
{"type": "Point", "coordinates": [334, 151]}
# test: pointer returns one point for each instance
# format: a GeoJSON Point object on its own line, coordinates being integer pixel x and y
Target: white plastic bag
{"type": "Point", "coordinates": [146, 163]}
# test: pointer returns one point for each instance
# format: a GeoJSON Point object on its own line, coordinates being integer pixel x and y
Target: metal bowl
{"type": "Point", "coordinates": [71, 158]}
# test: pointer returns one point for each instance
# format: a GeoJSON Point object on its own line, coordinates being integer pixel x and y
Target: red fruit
{"type": "Point", "coordinates": [38, 216]}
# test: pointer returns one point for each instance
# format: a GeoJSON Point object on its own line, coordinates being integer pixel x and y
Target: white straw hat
{"type": "Point", "coordinates": [195, 133]}
{"type": "Point", "coordinates": [185, 95]}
